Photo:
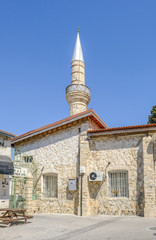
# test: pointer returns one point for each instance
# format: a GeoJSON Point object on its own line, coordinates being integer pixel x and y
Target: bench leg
{"type": "Point", "coordinates": [26, 220]}
{"type": "Point", "coordinates": [9, 224]}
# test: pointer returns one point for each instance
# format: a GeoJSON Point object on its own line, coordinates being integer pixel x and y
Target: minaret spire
{"type": "Point", "coordinates": [78, 54]}
{"type": "Point", "coordinates": [77, 94]}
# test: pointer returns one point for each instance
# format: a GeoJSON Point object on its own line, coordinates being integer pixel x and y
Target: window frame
{"type": "Point", "coordinates": [121, 190]}
{"type": "Point", "coordinates": [27, 159]}
{"type": "Point", "coordinates": [54, 189]}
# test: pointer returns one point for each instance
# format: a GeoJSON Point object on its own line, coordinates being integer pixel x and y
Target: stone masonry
{"type": "Point", "coordinates": [64, 152]}
{"type": "Point", "coordinates": [123, 153]}
{"type": "Point", "coordinates": [57, 153]}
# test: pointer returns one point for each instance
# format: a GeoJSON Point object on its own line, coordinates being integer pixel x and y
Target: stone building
{"type": "Point", "coordinates": [84, 167]}
{"type": "Point", "coordinates": [6, 167]}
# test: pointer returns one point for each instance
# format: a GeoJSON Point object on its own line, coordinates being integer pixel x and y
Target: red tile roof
{"type": "Point", "coordinates": [122, 129]}
{"type": "Point", "coordinates": [7, 133]}
{"type": "Point", "coordinates": [88, 113]}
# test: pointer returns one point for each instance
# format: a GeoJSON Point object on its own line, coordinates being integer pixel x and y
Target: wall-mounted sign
{"type": "Point", "coordinates": [20, 172]}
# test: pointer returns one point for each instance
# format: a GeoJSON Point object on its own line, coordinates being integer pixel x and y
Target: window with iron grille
{"type": "Point", "coordinates": [50, 187]}
{"type": "Point", "coordinates": [118, 184]}
{"type": "Point", "coordinates": [28, 159]}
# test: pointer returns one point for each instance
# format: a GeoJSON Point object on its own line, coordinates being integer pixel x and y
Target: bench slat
{"type": "Point", "coordinates": [14, 220]}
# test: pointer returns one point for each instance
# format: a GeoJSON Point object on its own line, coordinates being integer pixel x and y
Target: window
{"type": "Point", "coordinates": [28, 159]}
{"type": "Point", "coordinates": [118, 184]}
{"type": "Point", "coordinates": [50, 186]}
{"type": "Point", "coordinates": [2, 143]}
{"type": "Point", "coordinates": [4, 187]}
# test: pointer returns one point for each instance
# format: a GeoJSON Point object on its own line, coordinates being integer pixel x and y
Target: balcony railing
{"type": "Point", "coordinates": [77, 87]}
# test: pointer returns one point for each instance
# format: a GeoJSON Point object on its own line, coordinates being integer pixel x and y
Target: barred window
{"type": "Point", "coordinates": [4, 187]}
{"type": "Point", "coordinates": [50, 187]}
{"type": "Point", "coordinates": [28, 159]}
{"type": "Point", "coordinates": [118, 184]}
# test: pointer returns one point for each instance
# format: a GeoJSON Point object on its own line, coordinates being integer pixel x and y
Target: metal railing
{"type": "Point", "coordinates": [77, 87]}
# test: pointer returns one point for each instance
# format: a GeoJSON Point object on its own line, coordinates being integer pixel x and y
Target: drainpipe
{"type": "Point", "coordinates": [81, 172]}
{"type": "Point", "coordinates": [106, 169]}
{"type": "Point", "coordinates": [81, 194]}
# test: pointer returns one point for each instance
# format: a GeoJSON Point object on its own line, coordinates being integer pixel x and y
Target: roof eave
{"type": "Point", "coordinates": [88, 114]}
{"type": "Point", "coordinates": [7, 134]}
{"type": "Point", "coordinates": [121, 132]}
{"type": "Point", "coordinates": [100, 120]}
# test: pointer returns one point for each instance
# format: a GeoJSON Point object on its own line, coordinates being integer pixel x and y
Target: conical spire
{"type": "Point", "coordinates": [77, 54]}
{"type": "Point", "coordinates": [77, 94]}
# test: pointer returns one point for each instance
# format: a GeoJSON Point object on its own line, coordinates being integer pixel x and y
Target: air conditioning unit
{"type": "Point", "coordinates": [96, 176]}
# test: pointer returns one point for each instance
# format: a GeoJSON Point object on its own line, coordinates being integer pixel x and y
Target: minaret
{"type": "Point", "coordinates": [77, 94]}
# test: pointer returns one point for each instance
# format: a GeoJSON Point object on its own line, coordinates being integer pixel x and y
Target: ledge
{"type": "Point", "coordinates": [77, 87]}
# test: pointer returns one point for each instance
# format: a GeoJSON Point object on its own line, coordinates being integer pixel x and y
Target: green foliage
{"type": "Point", "coordinates": [152, 117]}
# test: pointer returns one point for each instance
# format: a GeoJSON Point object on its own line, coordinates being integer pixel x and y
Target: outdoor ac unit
{"type": "Point", "coordinates": [96, 176]}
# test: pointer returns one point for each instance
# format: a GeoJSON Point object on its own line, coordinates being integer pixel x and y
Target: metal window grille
{"type": "Point", "coordinates": [4, 186]}
{"type": "Point", "coordinates": [28, 159]}
{"type": "Point", "coordinates": [50, 187]}
{"type": "Point", "coordinates": [118, 184]}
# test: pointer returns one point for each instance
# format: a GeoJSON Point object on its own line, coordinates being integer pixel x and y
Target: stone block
{"type": "Point", "coordinates": [150, 212]}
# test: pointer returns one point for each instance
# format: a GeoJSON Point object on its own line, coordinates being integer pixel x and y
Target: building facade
{"type": "Point", "coordinates": [6, 167]}
{"type": "Point", "coordinates": [84, 167]}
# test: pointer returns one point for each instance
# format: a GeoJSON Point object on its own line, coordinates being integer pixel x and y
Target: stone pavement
{"type": "Point", "coordinates": [62, 227]}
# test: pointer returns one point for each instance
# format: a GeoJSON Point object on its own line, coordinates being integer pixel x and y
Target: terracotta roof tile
{"type": "Point", "coordinates": [7, 133]}
{"type": "Point", "coordinates": [87, 113]}
{"type": "Point", "coordinates": [146, 126]}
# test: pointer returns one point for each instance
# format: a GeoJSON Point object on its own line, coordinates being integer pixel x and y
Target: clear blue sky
{"type": "Point", "coordinates": [37, 40]}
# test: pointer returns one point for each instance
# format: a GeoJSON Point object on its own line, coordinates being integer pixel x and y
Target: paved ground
{"type": "Point", "coordinates": [61, 227]}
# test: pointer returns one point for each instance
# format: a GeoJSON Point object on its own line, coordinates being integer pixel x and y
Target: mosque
{"type": "Point", "coordinates": [79, 165]}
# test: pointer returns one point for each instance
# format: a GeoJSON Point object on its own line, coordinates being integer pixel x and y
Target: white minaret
{"type": "Point", "coordinates": [77, 94]}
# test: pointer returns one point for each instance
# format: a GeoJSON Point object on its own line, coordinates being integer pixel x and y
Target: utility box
{"type": "Point", "coordinates": [82, 170]}
{"type": "Point", "coordinates": [72, 184]}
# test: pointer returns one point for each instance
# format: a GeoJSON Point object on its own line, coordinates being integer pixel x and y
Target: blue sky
{"type": "Point", "coordinates": [37, 40]}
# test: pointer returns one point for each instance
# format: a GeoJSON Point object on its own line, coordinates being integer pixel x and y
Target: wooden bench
{"type": "Point", "coordinates": [10, 215]}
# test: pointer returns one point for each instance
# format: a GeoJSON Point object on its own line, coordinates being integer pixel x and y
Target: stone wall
{"type": "Point", "coordinates": [123, 153]}
{"type": "Point", "coordinates": [57, 152]}
{"type": "Point", "coordinates": [63, 152]}
{"type": "Point", "coordinates": [6, 149]}
{"type": "Point", "coordinates": [78, 72]}
{"type": "Point", "coordinates": [149, 177]}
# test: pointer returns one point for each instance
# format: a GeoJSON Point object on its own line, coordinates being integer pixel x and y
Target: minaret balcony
{"type": "Point", "coordinates": [77, 88]}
